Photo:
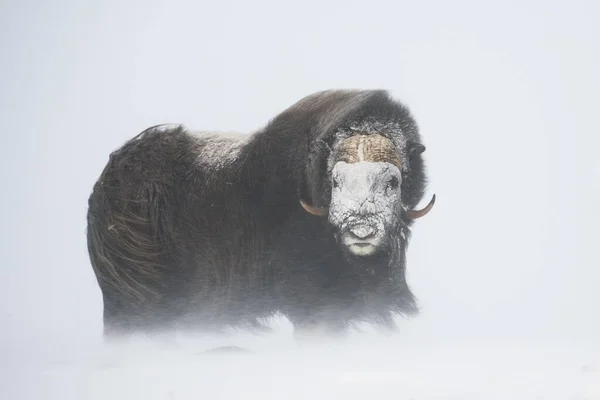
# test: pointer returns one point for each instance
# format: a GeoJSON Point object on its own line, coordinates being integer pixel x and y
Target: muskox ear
{"type": "Point", "coordinates": [415, 148]}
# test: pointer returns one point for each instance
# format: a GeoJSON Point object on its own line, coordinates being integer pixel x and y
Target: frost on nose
{"type": "Point", "coordinates": [368, 206]}
{"type": "Point", "coordinates": [362, 231]}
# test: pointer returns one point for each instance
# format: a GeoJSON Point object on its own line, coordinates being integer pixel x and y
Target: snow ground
{"type": "Point", "coordinates": [364, 366]}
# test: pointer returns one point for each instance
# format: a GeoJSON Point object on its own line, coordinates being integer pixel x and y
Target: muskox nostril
{"type": "Point", "coordinates": [362, 231]}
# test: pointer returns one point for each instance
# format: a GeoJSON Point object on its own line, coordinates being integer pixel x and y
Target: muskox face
{"type": "Point", "coordinates": [365, 208]}
{"type": "Point", "coordinates": [365, 205]}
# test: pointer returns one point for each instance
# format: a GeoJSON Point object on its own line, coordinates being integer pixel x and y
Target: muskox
{"type": "Point", "coordinates": [308, 217]}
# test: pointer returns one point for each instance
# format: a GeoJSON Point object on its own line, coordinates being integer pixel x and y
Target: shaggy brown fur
{"type": "Point", "coordinates": [204, 231]}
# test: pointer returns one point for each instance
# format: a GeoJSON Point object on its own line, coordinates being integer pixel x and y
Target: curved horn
{"type": "Point", "coordinates": [318, 211]}
{"type": "Point", "coordinates": [414, 214]}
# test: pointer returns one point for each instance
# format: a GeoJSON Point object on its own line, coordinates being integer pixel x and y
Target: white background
{"type": "Point", "coordinates": [505, 93]}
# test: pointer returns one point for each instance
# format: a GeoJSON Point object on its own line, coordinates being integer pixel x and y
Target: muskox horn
{"type": "Point", "coordinates": [414, 214]}
{"type": "Point", "coordinates": [318, 211]}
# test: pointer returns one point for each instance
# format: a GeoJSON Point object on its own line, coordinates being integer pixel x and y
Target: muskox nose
{"type": "Point", "coordinates": [362, 231]}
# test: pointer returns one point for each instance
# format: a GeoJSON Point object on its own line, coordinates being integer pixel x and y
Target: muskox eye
{"type": "Point", "coordinates": [393, 183]}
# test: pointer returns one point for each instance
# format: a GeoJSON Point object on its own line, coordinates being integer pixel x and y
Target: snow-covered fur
{"type": "Point", "coordinates": [205, 231]}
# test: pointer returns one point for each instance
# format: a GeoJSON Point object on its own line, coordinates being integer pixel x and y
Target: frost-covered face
{"type": "Point", "coordinates": [365, 209]}
{"type": "Point", "coordinates": [365, 205]}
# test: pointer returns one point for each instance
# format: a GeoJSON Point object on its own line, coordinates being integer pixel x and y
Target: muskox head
{"type": "Point", "coordinates": [366, 207]}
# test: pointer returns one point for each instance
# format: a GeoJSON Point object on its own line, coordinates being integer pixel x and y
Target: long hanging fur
{"type": "Point", "coordinates": [205, 230]}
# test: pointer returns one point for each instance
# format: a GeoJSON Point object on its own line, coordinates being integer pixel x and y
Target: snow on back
{"type": "Point", "coordinates": [219, 149]}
